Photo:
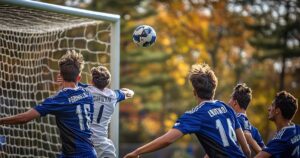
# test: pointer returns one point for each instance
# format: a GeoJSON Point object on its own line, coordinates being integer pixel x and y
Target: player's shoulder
{"type": "Point", "coordinates": [241, 116]}
{"type": "Point", "coordinates": [228, 108]}
{"type": "Point", "coordinates": [197, 108]}
{"type": "Point", "coordinates": [83, 85]}
{"type": "Point", "coordinates": [203, 107]}
{"type": "Point", "coordinates": [107, 92]}
{"type": "Point", "coordinates": [286, 132]}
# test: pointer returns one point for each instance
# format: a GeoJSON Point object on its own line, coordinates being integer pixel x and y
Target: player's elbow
{"type": "Point", "coordinates": [23, 118]}
{"type": "Point", "coordinates": [166, 143]}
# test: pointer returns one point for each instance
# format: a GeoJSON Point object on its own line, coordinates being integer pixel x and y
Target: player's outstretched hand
{"type": "Point", "coordinates": [131, 155]}
{"type": "Point", "coordinates": [128, 92]}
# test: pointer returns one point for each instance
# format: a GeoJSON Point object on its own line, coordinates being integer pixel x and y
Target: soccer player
{"type": "Point", "coordinates": [239, 101]}
{"type": "Point", "coordinates": [72, 107]}
{"type": "Point", "coordinates": [213, 122]}
{"type": "Point", "coordinates": [286, 141]}
{"type": "Point", "coordinates": [105, 100]}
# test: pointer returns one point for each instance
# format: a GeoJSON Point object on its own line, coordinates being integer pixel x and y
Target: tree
{"type": "Point", "coordinates": [276, 31]}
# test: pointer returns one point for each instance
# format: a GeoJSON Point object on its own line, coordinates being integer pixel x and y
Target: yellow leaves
{"type": "Point", "coordinates": [132, 126]}
{"type": "Point", "coordinates": [151, 125]}
{"type": "Point", "coordinates": [180, 69]}
{"type": "Point", "coordinates": [165, 41]}
{"type": "Point", "coordinates": [170, 120]}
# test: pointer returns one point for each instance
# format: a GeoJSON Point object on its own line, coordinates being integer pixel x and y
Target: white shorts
{"type": "Point", "coordinates": [105, 149]}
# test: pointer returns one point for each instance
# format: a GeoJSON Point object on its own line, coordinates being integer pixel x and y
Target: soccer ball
{"type": "Point", "coordinates": [144, 36]}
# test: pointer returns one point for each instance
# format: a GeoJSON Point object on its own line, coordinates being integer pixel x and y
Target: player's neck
{"type": "Point", "coordinates": [68, 84]}
{"type": "Point", "coordinates": [241, 111]}
{"type": "Point", "coordinates": [281, 123]}
{"type": "Point", "coordinates": [203, 100]}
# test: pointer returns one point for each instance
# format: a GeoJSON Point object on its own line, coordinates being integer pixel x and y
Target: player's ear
{"type": "Point", "coordinates": [236, 103]}
{"type": "Point", "coordinates": [78, 78]}
{"type": "Point", "coordinates": [277, 111]}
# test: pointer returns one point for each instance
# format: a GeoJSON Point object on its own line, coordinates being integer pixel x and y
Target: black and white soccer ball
{"type": "Point", "coordinates": [144, 36]}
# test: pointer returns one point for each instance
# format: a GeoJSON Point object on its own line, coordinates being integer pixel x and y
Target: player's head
{"type": "Point", "coordinates": [101, 77]}
{"type": "Point", "coordinates": [71, 65]}
{"type": "Point", "coordinates": [284, 105]}
{"type": "Point", "coordinates": [204, 81]}
{"type": "Point", "coordinates": [241, 96]}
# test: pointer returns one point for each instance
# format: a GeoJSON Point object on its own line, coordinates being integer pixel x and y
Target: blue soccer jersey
{"type": "Point", "coordinates": [73, 109]}
{"type": "Point", "coordinates": [214, 124]}
{"type": "Point", "coordinates": [247, 127]}
{"type": "Point", "coordinates": [285, 143]}
{"type": "Point", "coordinates": [257, 137]}
{"type": "Point", "coordinates": [244, 122]}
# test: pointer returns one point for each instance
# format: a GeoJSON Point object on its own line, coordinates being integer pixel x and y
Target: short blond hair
{"type": "Point", "coordinates": [101, 77]}
{"type": "Point", "coordinates": [204, 81]}
{"type": "Point", "coordinates": [71, 65]}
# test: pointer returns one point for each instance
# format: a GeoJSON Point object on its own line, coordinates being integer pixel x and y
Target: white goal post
{"type": "Point", "coordinates": [33, 36]}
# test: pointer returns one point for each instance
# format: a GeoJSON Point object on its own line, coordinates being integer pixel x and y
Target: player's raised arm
{"type": "Point", "coordinates": [20, 118]}
{"type": "Point", "coordinates": [127, 92]}
{"type": "Point", "coordinates": [159, 143]}
{"type": "Point", "coordinates": [242, 141]}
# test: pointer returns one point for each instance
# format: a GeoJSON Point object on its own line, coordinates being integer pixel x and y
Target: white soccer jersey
{"type": "Point", "coordinates": [104, 105]}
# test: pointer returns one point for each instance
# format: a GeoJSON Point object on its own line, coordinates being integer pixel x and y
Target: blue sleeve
{"type": "Point", "coordinates": [241, 122]}
{"type": "Point", "coordinates": [49, 106]}
{"type": "Point", "coordinates": [245, 125]}
{"type": "Point", "coordinates": [120, 95]}
{"type": "Point", "coordinates": [188, 123]}
{"type": "Point", "coordinates": [257, 137]}
{"type": "Point", "coordinates": [276, 146]}
{"type": "Point", "coordinates": [237, 124]}
{"type": "Point", "coordinates": [79, 84]}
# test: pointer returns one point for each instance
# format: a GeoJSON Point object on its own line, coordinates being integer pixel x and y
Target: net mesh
{"type": "Point", "coordinates": [31, 43]}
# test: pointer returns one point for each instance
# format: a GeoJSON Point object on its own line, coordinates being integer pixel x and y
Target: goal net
{"type": "Point", "coordinates": [31, 43]}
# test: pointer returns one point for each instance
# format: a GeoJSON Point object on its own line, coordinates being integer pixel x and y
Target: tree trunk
{"type": "Point", "coordinates": [282, 74]}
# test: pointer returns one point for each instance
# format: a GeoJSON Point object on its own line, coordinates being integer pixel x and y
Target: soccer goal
{"type": "Point", "coordinates": [33, 36]}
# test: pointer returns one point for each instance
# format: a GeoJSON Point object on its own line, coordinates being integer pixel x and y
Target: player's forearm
{"type": "Point", "coordinates": [252, 142]}
{"type": "Point", "coordinates": [243, 142]}
{"type": "Point", "coordinates": [156, 144]}
{"type": "Point", "coordinates": [20, 118]}
{"type": "Point", "coordinates": [17, 119]}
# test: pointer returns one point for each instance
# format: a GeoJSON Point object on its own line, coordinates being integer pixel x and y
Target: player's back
{"type": "Point", "coordinates": [285, 143]}
{"type": "Point", "coordinates": [73, 109]}
{"type": "Point", "coordinates": [104, 106]}
{"type": "Point", "coordinates": [214, 124]}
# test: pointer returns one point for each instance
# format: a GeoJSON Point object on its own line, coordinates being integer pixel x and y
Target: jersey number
{"type": "Point", "coordinates": [84, 115]}
{"type": "Point", "coordinates": [223, 132]}
{"type": "Point", "coordinates": [100, 113]}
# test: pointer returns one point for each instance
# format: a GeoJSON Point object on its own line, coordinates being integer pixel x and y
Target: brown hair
{"type": "Point", "coordinates": [203, 80]}
{"type": "Point", "coordinates": [287, 104]}
{"type": "Point", "coordinates": [71, 65]}
{"type": "Point", "coordinates": [101, 77]}
{"type": "Point", "coordinates": [242, 94]}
